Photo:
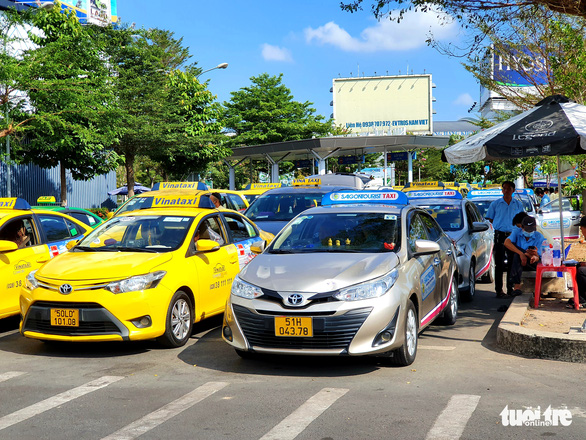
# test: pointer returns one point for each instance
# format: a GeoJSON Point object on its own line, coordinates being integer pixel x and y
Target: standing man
{"type": "Point", "coordinates": [580, 274]}
{"type": "Point", "coordinates": [501, 213]}
{"type": "Point", "coordinates": [545, 198]}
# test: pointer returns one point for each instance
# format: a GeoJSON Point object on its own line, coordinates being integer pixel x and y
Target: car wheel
{"type": "Point", "coordinates": [451, 311]}
{"type": "Point", "coordinates": [489, 277]}
{"type": "Point", "coordinates": [179, 321]}
{"type": "Point", "coordinates": [468, 294]}
{"type": "Point", "coordinates": [405, 355]}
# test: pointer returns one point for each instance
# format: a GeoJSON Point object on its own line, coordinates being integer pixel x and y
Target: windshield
{"type": "Point", "coordinates": [134, 204]}
{"type": "Point", "coordinates": [449, 217]}
{"type": "Point", "coordinates": [336, 232]}
{"type": "Point", "coordinates": [282, 207]}
{"type": "Point", "coordinates": [482, 205]}
{"type": "Point", "coordinates": [162, 233]}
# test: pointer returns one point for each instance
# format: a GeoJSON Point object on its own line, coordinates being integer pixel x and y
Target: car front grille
{"type": "Point", "coordinates": [93, 320]}
{"type": "Point", "coordinates": [329, 332]}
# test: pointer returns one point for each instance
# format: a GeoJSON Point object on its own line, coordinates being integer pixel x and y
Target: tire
{"type": "Point", "coordinates": [489, 276]}
{"type": "Point", "coordinates": [467, 294]}
{"type": "Point", "coordinates": [451, 311]}
{"type": "Point", "coordinates": [405, 355]}
{"type": "Point", "coordinates": [179, 321]}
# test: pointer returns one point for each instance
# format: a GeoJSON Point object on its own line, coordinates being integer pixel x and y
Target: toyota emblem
{"type": "Point", "coordinates": [65, 289]}
{"type": "Point", "coordinates": [295, 299]}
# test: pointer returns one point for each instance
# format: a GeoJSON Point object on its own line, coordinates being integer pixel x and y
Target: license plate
{"type": "Point", "coordinates": [294, 326]}
{"type": "Point", "coordinates": [65, 317]}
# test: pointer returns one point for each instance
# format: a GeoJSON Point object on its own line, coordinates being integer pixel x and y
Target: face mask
{"type": "Point", "coordinates": [528, 234]}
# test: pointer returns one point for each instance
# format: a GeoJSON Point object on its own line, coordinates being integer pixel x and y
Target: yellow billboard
{"type": "Point", "coordinates": [384, 104]}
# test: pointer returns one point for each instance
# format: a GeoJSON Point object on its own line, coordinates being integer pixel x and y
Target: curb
{"type": "Point", "coordinates": [512, 337]}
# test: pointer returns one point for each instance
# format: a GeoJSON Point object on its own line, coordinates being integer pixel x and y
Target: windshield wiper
{"type": "Point", "coordinates": [84, 248]}
{"type": "Point", "coordinates": [132, 249]}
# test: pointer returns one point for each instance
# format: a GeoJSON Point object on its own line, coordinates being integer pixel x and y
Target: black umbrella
{"type": "Point", "coordinates": [555, 126]}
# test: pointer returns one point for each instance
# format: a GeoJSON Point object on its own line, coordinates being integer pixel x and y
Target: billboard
{"type": "Point", "coordinates": [384, 104]}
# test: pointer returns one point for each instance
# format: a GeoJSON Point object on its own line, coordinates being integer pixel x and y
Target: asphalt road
{"type": "Point", "coordinates": [460, 386]}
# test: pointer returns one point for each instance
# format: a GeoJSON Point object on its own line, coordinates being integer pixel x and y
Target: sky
{"type": "Point", "coordinates": [310, 42]}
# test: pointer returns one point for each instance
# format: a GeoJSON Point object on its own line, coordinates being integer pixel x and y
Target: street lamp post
{"type": "Point", "coordinates": [219, 66]}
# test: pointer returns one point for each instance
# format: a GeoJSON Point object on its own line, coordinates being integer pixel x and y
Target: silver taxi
{"type": "Point", "coordinates": [362, 274]}
{"type": "Point", "coordinates": [473, 235]}
{"type": "Point", "coordinates": [548, 218]}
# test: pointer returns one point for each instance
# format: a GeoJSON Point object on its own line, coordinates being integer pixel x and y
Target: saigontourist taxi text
{"type": "Point", "coordinates": [144, 274]}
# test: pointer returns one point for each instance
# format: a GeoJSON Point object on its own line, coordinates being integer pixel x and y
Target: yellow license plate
{"type": "Point", "coordinates": [65, 317]}
{"type": "Point", "coordinates": [294, 326]}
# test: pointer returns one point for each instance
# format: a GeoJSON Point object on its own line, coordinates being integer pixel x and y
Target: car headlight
{"type": "Point", "coordinates": [245, 290]}
{"type": "Point", "coordinates": [139, 282]}
{"type": "Point", "coordinates": [370, 289]}
{"type": "Point", "coordinates": [30, 281]}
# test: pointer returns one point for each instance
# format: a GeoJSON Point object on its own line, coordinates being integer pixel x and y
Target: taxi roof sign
{"type": "Point", "coordinates": [13, 203]}
{"type": "Point", "coordinates": [46, 199]}
{"type": "Point", "coordinates": [307, 181]}
{"type": "Point", "coordinates": [484, 193]}
{"type": "Point", "coordinates": [179, 185]}
{"type": "Point", "coordinates": [436, 194]}
{"type": "Point", "coordinates": [262, 185]}
{"type": "Point", "coordinates": [202, 201]}
{"type": "Point", "coordinates": [424, 184]}
{"type": "Point", "coordinates": [381, 197]}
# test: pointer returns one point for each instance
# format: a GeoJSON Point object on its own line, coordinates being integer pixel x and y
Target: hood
{"type": "Point", "coordinates": [101, 266]}
{"type": "Point", "coordinates": [317, 272]}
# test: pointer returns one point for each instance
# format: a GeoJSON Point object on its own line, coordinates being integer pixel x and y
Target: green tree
{"type": "Point", "coordinates": [64, 102]}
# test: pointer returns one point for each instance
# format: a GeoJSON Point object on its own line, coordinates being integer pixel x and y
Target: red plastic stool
{"type": "Point", "coordinates": [570, 269]}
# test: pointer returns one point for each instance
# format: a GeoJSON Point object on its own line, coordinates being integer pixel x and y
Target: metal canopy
{"type": "Point", "coordinates": [338, 146]}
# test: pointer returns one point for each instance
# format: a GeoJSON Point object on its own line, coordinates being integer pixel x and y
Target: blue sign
{"type": "Point", "coordinates": [348, 160]}
{"type": "Point", "coordinates": [400, 155]}
{"type": "Point", "coordinates": [436, 194]}
{"type": "Point", "coordinates": [384, 197]}
{"type": "Point", "coordinates": [533, 71]}
{"type": "Point", "coordinates": [304, 163]}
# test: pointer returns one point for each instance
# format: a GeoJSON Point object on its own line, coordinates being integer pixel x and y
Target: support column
{"type": "Point", "coordinates": [410, 166]}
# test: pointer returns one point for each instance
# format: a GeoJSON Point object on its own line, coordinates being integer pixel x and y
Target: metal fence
{"type": "Point", "coordinates": [30, 182]}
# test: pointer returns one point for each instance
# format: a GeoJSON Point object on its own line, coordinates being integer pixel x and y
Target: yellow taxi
{"type": "Point", "coordinates": [142, 275]}
{"type": "Point", "coordinates": [29, 238]}
{"type": "Point", "coordinates": [253, 190]}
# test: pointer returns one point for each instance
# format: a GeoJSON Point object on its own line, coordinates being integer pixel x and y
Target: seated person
{"type": "Point", "coordinates": [16, 232]}
{"type": "Point", "coordinates": [525, 244]}
{"type": "Point", "coordinates": [518, 219]}
{"type": "Point", "coordinates": [205, 231]}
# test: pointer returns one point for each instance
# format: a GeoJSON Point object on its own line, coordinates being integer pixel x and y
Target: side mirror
{"type": "Point", "coordinates": [479, 227]}
{"type": "Point", "coordinates": [203, 245]}
{"type": "Point", "coordinates": [8, 246]}
{"type": "Point", "coordinates": [71, 243]}
{"type": "Point", "coordinates": [110, 215]}
{"type": "Point", "coordinates": [426, 247]}
{"type": "Point", "coordinates": [258, 247]}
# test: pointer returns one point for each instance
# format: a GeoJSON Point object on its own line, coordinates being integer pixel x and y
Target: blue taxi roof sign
{"type": "Point", "coordinates": [475, 193]}
{"type": "Point", "coordinates": [381, 197]}
{"type": "Point", "coordinates": [180, 185]}
{"type": "Point", "coordinates": [13, 203]}
{"type": "Point", "coordinates": [435, 194]}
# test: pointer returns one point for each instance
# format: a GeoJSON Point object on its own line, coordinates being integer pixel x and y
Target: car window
{"type": "Point", "coordinates": [239, 228]}
{"type": "Point", "coordinates": [417, 231]}
{"type": "Point", "coordinates": [236, 202]}
{"type": "Point", "coordinates": [209, 229]}
{"type": "Point", "coordinates": [482, 206]}
{"type": "Point", "coordinates": [11, 227]}
{"type": "Point", "coordinates": [448, 216]}
{"type": "Point", "coordinates": [555, 205]}
{"type": "Point", "coordinates": [282, 207]}
{"type": "Point", "coordinates": [433, 229]}
{"type": "Point", "coordinates": [476, 211]}
{"type": "Point", "coordinates": [471, 215]}
{"type": "Point", "coordinates": [57, 229]}
{"type": "Point", "coordinates": [83, 217]}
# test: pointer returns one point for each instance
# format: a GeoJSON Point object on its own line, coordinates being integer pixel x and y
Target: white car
{"type": "Point", "coordinates": [549, 219]}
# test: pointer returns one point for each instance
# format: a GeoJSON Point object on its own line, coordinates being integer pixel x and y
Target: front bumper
{"type": "Point", "coordinates": [103, 316]}
{"type": "Point", "coordinates": [339, 328]}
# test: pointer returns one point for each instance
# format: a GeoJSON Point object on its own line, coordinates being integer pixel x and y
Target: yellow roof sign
{"type": "Point", "coordinates": [46, 199]}
{"type": "Point", "coordinates": [310, 181]}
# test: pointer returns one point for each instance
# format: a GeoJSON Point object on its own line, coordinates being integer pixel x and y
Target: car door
{"type": "Point", "coordinates": [243, 234]}
{"type": "Point", "coordinates": [477, 240]}
{"type": "Point", "coordinates": [428, 268]}
{"type": "Point", "coordinates": [17, 264]}
{"type": "Point", "coordinates": [550, 219]}
{"type": "Point", "coordinates": [215, 270]}
{"type": "Point", "coordinates": [436, 233]}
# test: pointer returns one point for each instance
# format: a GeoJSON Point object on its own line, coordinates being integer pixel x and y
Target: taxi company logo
{"type": "Point", "coordinates": [65, 289]}
{"type": "Point", "coordinates": [22, 265]}
{"type": "Point", "coordinates": [178, 201]}
{"type": "Point", "coordinates": [367, 196]}
{"type": "Point", "coordinates": [534, 417]}
{"type": "Point", "coordinates": [6, 203]}
{"type": "Point", "coordinates": [179, 185]}
{"type": "Point", "coordinates": [295, 299]}
{"type": "Point", "coordinates": [537, 129]}
{"type": "Point", "coordinates": [219, 268]}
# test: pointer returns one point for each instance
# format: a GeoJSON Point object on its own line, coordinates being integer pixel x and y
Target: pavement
{"type": "Point", "coordinates": [515, 336]}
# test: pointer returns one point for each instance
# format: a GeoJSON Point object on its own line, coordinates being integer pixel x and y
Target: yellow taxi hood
{"type": "Point", "coordinates": [99, 266]}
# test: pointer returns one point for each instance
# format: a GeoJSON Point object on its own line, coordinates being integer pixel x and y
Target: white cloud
{"type": "Point", "coordinates": [386, 35]}
{"type": "Point", "coordinates": [275, 53]}
{"type": "Point", "coordinates": [464, 100]}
